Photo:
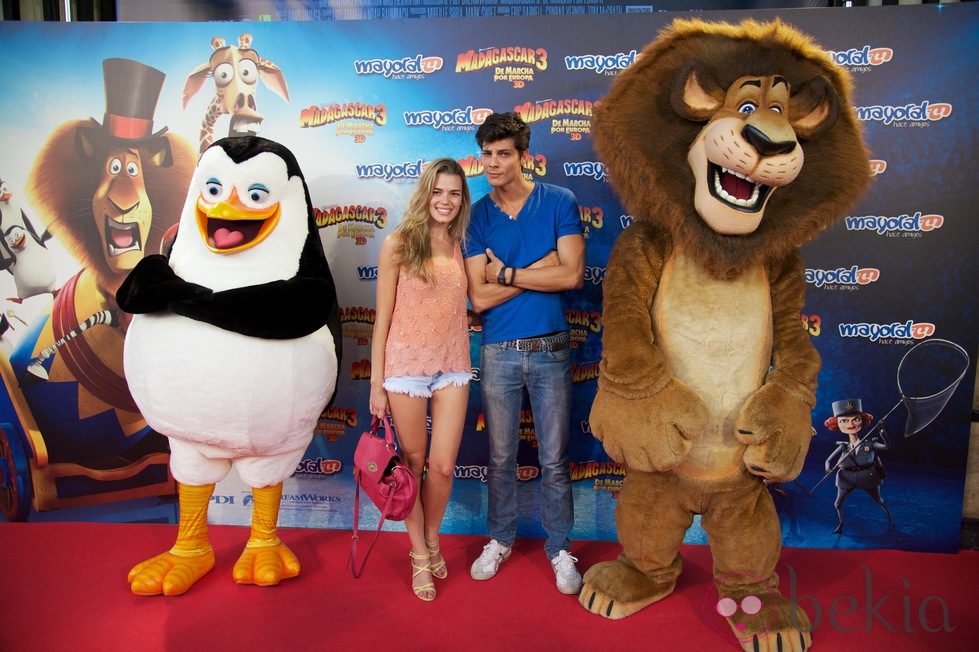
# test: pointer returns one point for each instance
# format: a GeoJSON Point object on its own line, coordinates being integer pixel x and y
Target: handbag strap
{"type": "Point", "coordinates": [354, 538]}
{"type": "Point", "coordinates": [388, 435]}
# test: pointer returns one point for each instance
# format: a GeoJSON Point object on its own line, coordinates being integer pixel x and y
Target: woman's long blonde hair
{"type": "Point", "coordinates": [414, 249]}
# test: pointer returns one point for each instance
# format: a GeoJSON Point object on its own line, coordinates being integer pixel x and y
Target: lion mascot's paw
{"type": "Point", "coordinates": [616, 589]}
{"type": "Point", "coordinates": [777, 625]}
{"type": "Point", "coordinates": [777, 428]}
{"type": "Point", "coordinates": [653, 433]}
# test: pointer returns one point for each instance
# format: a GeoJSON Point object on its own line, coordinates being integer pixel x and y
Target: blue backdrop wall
{"type": "Point", "coordinates": [364, 105]}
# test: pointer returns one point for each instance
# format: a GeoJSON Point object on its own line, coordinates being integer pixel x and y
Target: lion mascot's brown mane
{"type": "Point", "coordinates": [731, 146]}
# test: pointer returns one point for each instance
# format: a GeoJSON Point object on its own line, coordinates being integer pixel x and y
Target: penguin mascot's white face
{"type": "Point", "coordinates": [242, 224]}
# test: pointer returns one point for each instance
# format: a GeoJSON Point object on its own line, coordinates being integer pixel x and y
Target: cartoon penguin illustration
{"type": "Point", "coordinates": [24, 252]}
{"type": "Point", "coordinates": [233, 352]}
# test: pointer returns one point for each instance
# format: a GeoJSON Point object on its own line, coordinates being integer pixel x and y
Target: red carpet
{"type": "Point", "coordinates": [64, 588]}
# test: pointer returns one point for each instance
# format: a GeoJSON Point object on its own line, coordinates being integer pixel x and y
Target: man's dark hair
{"type": "Point", "coordinates": [504, 125]}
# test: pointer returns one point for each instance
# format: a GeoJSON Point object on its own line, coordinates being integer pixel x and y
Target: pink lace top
{"type": "Point", "coordinates": [429, 330]}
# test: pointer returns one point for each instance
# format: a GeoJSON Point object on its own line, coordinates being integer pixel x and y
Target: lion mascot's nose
{"type": "Point", "coordinates": [763, 144]}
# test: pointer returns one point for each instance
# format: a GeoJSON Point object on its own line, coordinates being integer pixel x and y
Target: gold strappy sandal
{"type": "Point", "coordinates": [439, 569]}
{"type": "Point", "coordinates": [428, 587]}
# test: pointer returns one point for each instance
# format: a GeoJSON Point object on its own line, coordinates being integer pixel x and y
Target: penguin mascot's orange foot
{"type": "Point", "coordinates": [233, 352]}
{"type": "Point", "coordinates": [266, 560]}
{"type": "Point", "coordinates": [190, 558]}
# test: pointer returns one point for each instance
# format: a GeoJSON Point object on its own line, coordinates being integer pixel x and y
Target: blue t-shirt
{"type": "Point", "coordinates": [549, 213]}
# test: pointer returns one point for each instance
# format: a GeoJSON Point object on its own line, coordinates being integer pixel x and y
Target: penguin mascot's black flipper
{"type": "Point", "coordinates": [234, 351]}
{"type": "Point", "coordinates": [278, 310]}
{"type": "Point", "coordinates": [152, 286]}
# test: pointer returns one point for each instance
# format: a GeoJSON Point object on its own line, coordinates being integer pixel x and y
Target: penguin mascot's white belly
{"type": "Point", "coordinates": [248, 395]}
{"type": "Point", "coordinates": [235, 339]}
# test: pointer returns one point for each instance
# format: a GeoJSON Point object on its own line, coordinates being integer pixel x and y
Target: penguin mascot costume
{"type": "Point", "coordinates": [233, 351]}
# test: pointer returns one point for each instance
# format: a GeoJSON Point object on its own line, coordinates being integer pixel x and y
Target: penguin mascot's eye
{"type": "Point", "coordinates": [257, 195]}
{"type": "Point", "coordinates": [212, 190]}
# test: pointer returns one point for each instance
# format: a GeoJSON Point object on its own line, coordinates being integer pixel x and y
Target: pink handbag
{"type": "Point", "coordinates": [386, 480]}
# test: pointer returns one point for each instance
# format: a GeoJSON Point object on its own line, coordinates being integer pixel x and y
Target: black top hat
{"type": "Point", "coordinates": [132, 90]}
{"type": "Point", "coordinates": [847, 406]}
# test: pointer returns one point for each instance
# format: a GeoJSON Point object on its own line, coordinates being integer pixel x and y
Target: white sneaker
{"type": "Point", "coordinates": [567, 575]}
{"type": "Point", "coordinates": [494, 553]}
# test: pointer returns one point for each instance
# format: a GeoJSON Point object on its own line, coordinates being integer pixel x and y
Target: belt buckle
{"type": "Point", "coordinates": [519, 344]}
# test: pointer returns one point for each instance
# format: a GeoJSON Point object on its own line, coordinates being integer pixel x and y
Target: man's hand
{"type": "Point", "coordinates": [491, 272]}
{"type": "Point", "coordinates": [493, 266]}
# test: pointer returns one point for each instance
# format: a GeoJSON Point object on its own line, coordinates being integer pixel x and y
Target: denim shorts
{"type": "Point", "coordinates": [424, 386]}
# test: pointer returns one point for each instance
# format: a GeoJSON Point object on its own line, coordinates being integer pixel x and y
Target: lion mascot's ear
{"type": "Point", "coordinates": [696, 95]}
{"type": "Point", "coordinates": [814, 107]}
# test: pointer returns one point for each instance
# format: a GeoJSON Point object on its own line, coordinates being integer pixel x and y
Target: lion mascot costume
{"type": "Point", "coordinates": [731, 146]}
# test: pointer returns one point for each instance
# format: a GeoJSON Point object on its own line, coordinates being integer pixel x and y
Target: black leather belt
{"type": "Point", "coordinates": [552, 342]}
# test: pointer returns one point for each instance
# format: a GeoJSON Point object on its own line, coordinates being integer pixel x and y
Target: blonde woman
{"type": "Point", "coordinates": [420, 351]}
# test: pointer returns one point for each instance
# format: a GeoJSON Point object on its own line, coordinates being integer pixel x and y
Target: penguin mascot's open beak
{"type": "Point", "coordinates": [231, 225]}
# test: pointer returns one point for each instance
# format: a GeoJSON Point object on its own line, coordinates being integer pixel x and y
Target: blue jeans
{"type": "Point", "coordinates": [547, 377]}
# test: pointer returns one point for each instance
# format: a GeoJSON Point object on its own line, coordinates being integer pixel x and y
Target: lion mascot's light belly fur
{"type": "Point", "coordinates": [717, 338]}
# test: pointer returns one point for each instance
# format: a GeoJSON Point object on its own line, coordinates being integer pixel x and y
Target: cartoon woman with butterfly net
{"type": "Point", "coordinates": [857, 461]}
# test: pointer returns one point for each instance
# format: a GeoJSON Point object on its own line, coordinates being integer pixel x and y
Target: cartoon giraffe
{"type": "Point", "coordinates": [236, 71]}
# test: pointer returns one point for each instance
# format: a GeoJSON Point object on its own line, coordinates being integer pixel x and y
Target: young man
{"type": "Point", "coordinates": [524, 247]}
